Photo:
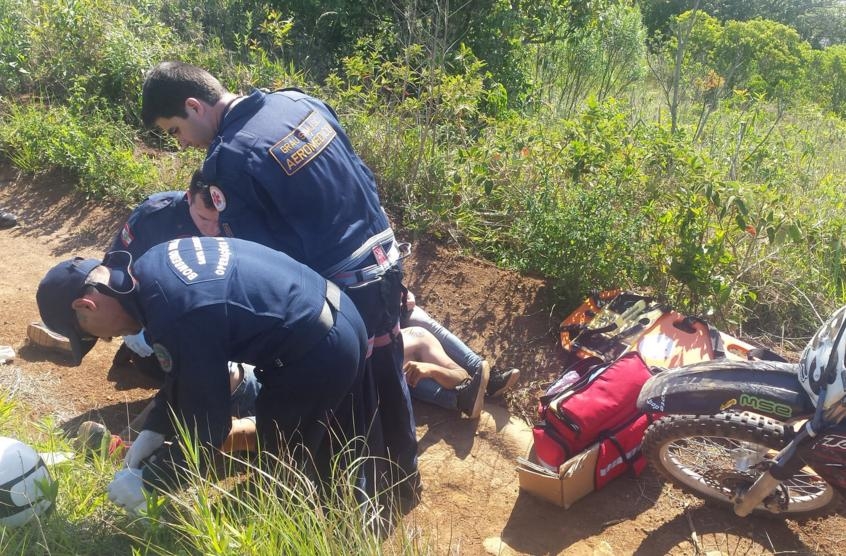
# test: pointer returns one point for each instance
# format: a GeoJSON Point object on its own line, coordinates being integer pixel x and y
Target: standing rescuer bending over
{"type": "Point", "coordinates": [205, 302]}
{"type": "Point", "coordinates": [283, 173]}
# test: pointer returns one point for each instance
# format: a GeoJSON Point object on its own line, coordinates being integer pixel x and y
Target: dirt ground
{"type": "Point", "coordinates": [471, 502]}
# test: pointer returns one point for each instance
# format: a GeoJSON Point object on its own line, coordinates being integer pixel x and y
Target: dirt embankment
{"type": "Point", "coordinates": [471, 502]}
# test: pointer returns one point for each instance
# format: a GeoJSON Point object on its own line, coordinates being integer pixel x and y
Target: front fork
{"type": "Point", "coordinates": [786, 464]}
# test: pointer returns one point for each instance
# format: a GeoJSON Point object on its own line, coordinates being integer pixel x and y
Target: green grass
{"type": "Point", "coordinates": [98, 151]}
{"type": "Point", "coordinates": [242, 507]}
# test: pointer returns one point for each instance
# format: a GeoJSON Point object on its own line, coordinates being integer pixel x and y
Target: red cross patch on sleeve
{"type": "Point", "coordinates": [126, 236]}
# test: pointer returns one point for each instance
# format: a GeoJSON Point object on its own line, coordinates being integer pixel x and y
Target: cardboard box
{"type": "Point", "coordinates": [574, 480]}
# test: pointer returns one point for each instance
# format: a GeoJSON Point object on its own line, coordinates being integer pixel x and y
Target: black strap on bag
{"type": "Point", "coordinates": [553, 434]}
{"type": "Point", "coordinates": [629, 461]}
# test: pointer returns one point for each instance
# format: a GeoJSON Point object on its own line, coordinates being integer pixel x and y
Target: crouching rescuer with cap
{"type": "Point", "coordinates": [205, 302]}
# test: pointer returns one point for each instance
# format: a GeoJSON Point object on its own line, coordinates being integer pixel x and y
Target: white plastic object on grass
{"type": "Point", "coordinates": [24, 480]}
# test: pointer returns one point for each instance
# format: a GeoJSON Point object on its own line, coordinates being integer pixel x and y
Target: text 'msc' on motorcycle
{"type": "Point", "coordinates": [760, 436]}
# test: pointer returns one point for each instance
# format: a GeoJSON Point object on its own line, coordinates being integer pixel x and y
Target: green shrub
{"type": "Point", "coordinates": [827, 77]}
{"type": "Point", "coordinates": [61, 48]}
{"type": "Point", "coordinates": [602, 59]}
{"type": "Point", "coordinates": [13, 47]}
{"type": "Point", "coordinates": [100, 152]}
{"type": "Point", "coordinates": [733, 212]}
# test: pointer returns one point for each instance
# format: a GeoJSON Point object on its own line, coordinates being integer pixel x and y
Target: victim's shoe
{"type": "Point", "coordinates": [471, 393]}
{"type": "Point", "coordinates": [502, 381]}
{"type": "Point", "coordinates": [7, 220]}
{"type": "Point", "coordinates": [94, 438]}
{"type": "Point", "coordinates": [41, 336]}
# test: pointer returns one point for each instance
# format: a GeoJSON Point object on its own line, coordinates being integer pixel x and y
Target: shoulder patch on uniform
{"type": "Point", "coordinates": [164, 357]}
{"type": "Point", "coordinates": [126, 236]}
{"type": "Point", "coordinates": [304, 143]}
{"type": "Point", "coordinates": [218, 198]}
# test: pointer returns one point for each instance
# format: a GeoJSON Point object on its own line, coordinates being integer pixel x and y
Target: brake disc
{"type": "Point", "coordinates": [728, 480]}
{"type": "Point", "coordinates": [733, 482]}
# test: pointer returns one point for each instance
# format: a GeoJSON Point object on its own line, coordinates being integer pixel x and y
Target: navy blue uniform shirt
{"type": "Point", "coordinates": [159, 218]}
{"type": "Point", "coordinates": [283, 173]}
{"type": "Point", "coordinates": [205, 301]}
{"type": "Point", "coordinates": [289, 178]}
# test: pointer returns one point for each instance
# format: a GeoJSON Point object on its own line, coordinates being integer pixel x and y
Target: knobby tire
{"type": "Point", "coordinates": [693, 453]}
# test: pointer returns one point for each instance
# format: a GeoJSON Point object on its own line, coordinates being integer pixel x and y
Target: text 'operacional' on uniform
{"type": "Point", "coordinates": [225, 254]}
{"type": "Point", "coordinates": [304, 143]}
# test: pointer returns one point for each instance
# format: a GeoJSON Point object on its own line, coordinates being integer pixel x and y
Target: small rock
{"type": "Point", "coordinates": [495, 545]}
{"type": "Point", "coordinates": [7, 220]}
{"type": "Point", "coordinates": [604, 549]}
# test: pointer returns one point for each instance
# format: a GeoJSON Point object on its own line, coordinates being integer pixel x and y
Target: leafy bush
{"type": "Point", "coordinates": [602, 59]}
{"type": "Point", "coordinates": [13, 47]}
{"type": "Point", "coordinates": [94, 49]}
{"type": "Point", "coordinates": [827, 79]}
{"type": "Point", "coordinates": [410, 118]}
{"type": "Point", "coordinates": [732, 210]}
{"type": "Point", "coordinates": [99, 151]}
{"type": "Point", "coordinates": [763, 56]}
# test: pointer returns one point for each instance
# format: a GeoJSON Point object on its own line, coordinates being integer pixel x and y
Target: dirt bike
{"type": "Point", "coordinates": [758, 436]}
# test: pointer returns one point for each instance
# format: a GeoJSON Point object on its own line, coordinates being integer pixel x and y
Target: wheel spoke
{"type": "Point", "coordinates": [698, 460]}
{"type": "Point", "coordinates": [718, 457]}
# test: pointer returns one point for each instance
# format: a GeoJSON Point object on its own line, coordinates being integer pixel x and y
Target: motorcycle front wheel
{"type": "Point", "coordinates": [717, 456]}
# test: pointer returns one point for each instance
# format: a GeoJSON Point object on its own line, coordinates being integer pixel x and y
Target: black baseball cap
{"type": "Point", "coordinates": [66, 282]}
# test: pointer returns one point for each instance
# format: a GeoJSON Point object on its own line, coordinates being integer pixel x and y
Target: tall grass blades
{"type": "Point", "coordinates": [241, 504]}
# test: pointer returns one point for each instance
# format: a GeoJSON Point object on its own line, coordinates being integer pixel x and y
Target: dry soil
{"type": "Point", "coordinates": [471, 503]}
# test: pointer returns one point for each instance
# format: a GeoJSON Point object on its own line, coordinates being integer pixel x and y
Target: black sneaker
{"type": "Point", "coordinates": [471, 393]}
{"type": "Point", "coordinates": [7, 220]}
{"type": "Point", "coordinates": [125, 357]}
{"type": "Point", "coordinates": [502, 381]}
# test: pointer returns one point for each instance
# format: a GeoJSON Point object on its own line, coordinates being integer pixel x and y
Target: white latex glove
{"type": "Point", "coordinates": [138, 344]}
{"type": "Point", "coordinates": [127, 491]}
{"type": "Point", "coordinates": [142, 447]}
